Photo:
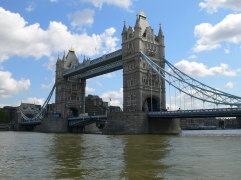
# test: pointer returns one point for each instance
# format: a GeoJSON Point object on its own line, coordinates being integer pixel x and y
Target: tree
{"type": "Point", "coordinates": [4, 117]}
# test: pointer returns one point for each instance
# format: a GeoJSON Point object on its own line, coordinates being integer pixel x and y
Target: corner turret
{"type": "Point", "coordinates": [124, 32]}
{"type": "Point", "coordinates": [137, 28]}
{"type": "Point", "coordinates": [161, 36]}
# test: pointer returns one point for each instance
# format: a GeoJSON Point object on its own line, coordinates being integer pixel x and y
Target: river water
{"type": "Point", "coordinates": [198, 155]}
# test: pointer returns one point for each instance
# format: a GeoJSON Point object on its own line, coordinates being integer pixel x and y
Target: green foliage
{"type": "Point", "coordinates": [4, 117]}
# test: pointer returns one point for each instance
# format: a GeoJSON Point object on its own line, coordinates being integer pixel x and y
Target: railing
{"type": "Point", "coordinates": [224, 112]}
{"type": "Point", "coordinates": [101, 70]}
{"type": "Point", "coordinates": [85, 120]}
{"type": "Point", "coordinates": [94, 62]}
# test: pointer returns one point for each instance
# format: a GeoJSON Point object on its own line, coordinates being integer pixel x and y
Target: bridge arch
{"type": "Point", "coordinates": [151, 103]}
{"type": "Point", "coordinates": [74, 112]}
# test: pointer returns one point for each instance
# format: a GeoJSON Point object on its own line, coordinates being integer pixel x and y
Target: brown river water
{"type": "Point", "coordinates": [198, 155]}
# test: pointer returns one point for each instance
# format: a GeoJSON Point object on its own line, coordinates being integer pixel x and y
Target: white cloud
{"type": "Point", "coordinates": [98, 83]}
{"type": "Point", "coordinates": [88, 89]}
{"type": "Point", "coordinates": [212, 6]}
{"type": "Point", "coordinates": [15, 33]}
{"type": "Point", "coordinates": [108, 75]}
{"type": "Point", "coordinates": [192, 57]}
{"type": "Point", "coordinates": [227, 51]}
{"type": "Point", "coordinates": [210, 36]}
{"type": "Point", "coordinates": [33, 100]}
{"type": "Point", "coordinates": [114, 97]}
{"type": "Point", "coordinates": [10, 86]}
{"type": "Point", "coordinates": [46, 86]}
{"type": "Point", "coordinates": [30, 7]}
{"type": "Point", "coordinates": [201, 70]}
{"type": "Point", "coordinates": [229, 85]}
{"type": "Point", "coordinates": [82, 19]}
{"type": "Point", "coordinates": [2, 105]}
{"type": "Point", "coordinates": [53, 0]}
{"type": "Point", "coordinates": [98, 3]}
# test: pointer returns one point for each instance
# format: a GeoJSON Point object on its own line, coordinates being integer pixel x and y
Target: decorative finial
{"type": "Point", "coordinates": [71, 49]}
{"type": "Point", "coordinates": [142, 14]}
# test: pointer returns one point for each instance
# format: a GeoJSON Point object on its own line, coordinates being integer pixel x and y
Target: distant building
{"type": "Point", "coordinates": [94, 105]}
{"type": "Point", "coordinates": [30, 110]}
{"type": "Point", "coordinates": [12, 112]}
{"type": "Point", "coordinates": [115, 109]}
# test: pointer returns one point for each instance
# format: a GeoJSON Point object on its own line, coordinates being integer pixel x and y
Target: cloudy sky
{"type": "Point", "coordinates": [202, 37]}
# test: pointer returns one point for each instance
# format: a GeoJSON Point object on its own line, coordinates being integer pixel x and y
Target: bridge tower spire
{"type": "Point", "coordinates": [143, 90]}
{"type": "Point", "coordinates": [70, 92]}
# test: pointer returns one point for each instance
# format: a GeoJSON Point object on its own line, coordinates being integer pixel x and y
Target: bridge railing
{"type": "Point", "coordinates": [191, 88]}
{"type": "Point", "coordinates": [101, 69]}
{"type": "Point", "coordinates": [196, 112]}
{"type": "Point", "coordinates": [93, 62]}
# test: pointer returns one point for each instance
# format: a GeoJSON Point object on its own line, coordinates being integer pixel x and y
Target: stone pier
{"type": "Point", "coordinates": [139, 123]}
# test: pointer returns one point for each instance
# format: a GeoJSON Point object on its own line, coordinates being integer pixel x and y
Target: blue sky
{"type": "Point", "coordinates": [202, 37]}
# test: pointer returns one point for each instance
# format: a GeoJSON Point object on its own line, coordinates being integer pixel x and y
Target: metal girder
{"type": "Point", "coordinates": [192, 87]}
{"type": "Point", "coordinates": [102, 70]}
{"type": "Point", "coordinates": [39, 115]}
{"type": "Point", "coordinates": [88, 65]}
{"type": "Point", "coordinates": [225, 112]}
{"type": "Point", "coordinates": [85, 120]}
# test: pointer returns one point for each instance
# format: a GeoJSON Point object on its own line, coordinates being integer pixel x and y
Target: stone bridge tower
{"type": "Point", "coordinates": [143, 89]}
{"type": "Point", "coordinates": [70, 92]}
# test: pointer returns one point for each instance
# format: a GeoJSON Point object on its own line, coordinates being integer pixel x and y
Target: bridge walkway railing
{"type": "Point", "coordinates": [222, 112]}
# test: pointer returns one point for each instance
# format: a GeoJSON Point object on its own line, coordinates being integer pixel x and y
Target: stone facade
{"type": "Point", "coordinates": [142, 89]}
{"type": "Point", "coordinates": [94, 105]}
{"type": "Point", "coordinates": [52, 125]}
{"type": "Point", "coordinates": [30, 110]}
{"type": "Point", "coordinates": [228, 123]}
{"type": "Point", "coordinates": [126, 123]}
{"type": "Point", "coordinates": [70, 92]}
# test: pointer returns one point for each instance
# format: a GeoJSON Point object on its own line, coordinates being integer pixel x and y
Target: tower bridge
{"type": "Point", "coordinates": [142, 58]}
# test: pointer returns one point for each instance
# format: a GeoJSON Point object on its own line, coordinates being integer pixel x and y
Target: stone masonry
{"type": "Point", "coordinates": [70, 92]}
{"type": "Point", "coordinates": [143, 90]}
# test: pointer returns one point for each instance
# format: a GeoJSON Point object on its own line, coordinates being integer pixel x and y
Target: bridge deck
{"type": "Point", "coordinates": [28, 123]}
{"type": "Point", "coordinates": [101, 61]}
{"type": "Point", "coordinates": [85, 120]}
{"type": "Point", "coordinates": [229, 112]}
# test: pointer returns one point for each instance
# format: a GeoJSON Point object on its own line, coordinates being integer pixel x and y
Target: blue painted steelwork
{"type": "Point", "coordinates": [103, 60]}
{"type": "Point", "coordinates": [192, 87]}
{"type": "Point", "coordinates": [102, 70]}
{"type": "Point", "coordinates": [27, 123]}
{"type": "Point", "coordinates": [85, 120]}
{"type": "Point", "coordinates": [224, 112]}
{"type": "Point", "coordinates": [39, 115]}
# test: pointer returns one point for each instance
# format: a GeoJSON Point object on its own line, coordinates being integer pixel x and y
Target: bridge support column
{"type": "Point", "coordinates": [139, 123]}
{"type": "Point", "coordinates": [164, 126]}
{"type": "Point", "coordinates": [126, 123]}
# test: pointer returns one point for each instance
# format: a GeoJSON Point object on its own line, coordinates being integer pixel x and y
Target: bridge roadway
{"type": "Point", "coordinates": [223, 112]}
{"type": "Point", "coordinates": [102, 65]}
{"type": "Point", "coordinates": [85, 120]}
{"type": "Point", "coordinates": [27, 123]}
{"type": "Point", "coordinates": [199, 113]}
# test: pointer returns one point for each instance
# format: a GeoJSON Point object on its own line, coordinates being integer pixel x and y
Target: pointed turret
{"type": "Point", "coordinates": [58, 59]}
{"type": "Point", "coordinates": [161, 36]}
{"type": "Point", "coordinates": [71, 59]}
{"type": "Point", "coordinates": [64, 57]}
{"type": "Point", "coordinates": [143, 23]}
{"type": "Point", "coordinates": [137, 25]}
{"type": "Point", "coordinates": [124, 32]}
{"type": "Point", "coordinates": [124, 28]}
{"type": "Point", "coordinates": [160, 33]}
